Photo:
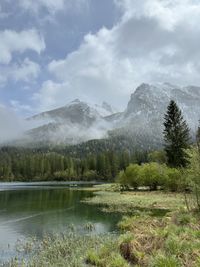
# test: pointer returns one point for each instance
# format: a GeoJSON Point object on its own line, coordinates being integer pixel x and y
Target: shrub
{"type": "Point", "coordinates": [193, 178]}
{"type": "Point", "coordinates": [133, 174]}
{"type": "Point", "coordinates": [123, 179]}
{"type": "Point", "coordinates": [90, 175]}
{"type": "Point", "coordinates": [153, 175]}
{"type": "Point", "coordinates": [173, 179]}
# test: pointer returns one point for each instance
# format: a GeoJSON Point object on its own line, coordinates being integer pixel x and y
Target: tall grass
{"type": "Point", "coordinates": [66, 250]}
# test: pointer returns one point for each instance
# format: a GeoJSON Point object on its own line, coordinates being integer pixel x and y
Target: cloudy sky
{"type": "Point", "coordinates": [52, 52]}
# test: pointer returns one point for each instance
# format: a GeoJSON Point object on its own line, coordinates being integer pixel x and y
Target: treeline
{"type": "Point", "coordinates": [35, 164]}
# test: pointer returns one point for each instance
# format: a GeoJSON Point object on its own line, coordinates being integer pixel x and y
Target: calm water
{"type": "Point", "coordinates": [35, 210]}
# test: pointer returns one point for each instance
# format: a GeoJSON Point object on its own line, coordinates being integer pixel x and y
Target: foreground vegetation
{"type": "Point", "coordinates": [168, 242]}
{"type": "Point", "coordinates": [68, 250]}
{"type": "Point", "coordinates": [152, 237]}
{"type": "Point", "coordinates": [156, 231]}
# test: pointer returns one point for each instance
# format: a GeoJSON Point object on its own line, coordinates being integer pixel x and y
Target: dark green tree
{"type": "Point", "coordinates": [176, 136]}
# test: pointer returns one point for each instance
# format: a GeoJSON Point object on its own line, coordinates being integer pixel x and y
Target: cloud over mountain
{"type": "Point", "coordinates": [153, 41]}
{"type": "Point", "coordinates": [94, 50]}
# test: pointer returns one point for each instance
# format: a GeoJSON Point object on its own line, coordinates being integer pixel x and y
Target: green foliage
{"type": "Point", "coordinates": [132, 172]}
{"type": "Point", "coordinates": [173, 179]}
{"type": "Point", "coordinates": [176, 136]}
{"type": "Point", "coordinates": [25, 164]}
{"type": "Point", "coordinates": [158, 156]}
{"type": "Point", "coordinates": [108, 255]}
{"type": "Point", "coordinates": [165, 261]}
{"type": "Point", "coordinates": [192, 175]}
{"type": "Point", "coordinates": [193, 178]}
{"type": "Point", "coordinates": [130, 177]}
{"type": "Point", "coordinates": [151, 175]}
{"type": "Point", "coordinates": [69, 249]}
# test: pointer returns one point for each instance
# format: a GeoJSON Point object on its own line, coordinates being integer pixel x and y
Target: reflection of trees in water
{"type": "Point", "coordinates": [39, 211]}
{"type": "Point", "coordinates": [39, 199]}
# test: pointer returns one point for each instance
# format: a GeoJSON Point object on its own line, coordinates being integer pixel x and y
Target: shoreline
{"type": "Point", "coordinates": [145, 239]}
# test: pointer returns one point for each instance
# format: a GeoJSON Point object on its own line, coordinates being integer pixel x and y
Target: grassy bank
{"type": "Point", "coordinates": [169, 238]}
{"type": "Point", "coordinates": [128, 202]}
{"type": "Point", "coordinates": [156, 231]}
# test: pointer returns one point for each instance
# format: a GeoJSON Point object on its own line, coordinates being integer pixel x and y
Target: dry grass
{"type": "Point", "coordinates": [174, 237]}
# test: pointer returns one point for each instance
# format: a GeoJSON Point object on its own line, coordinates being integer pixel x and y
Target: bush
{"type": "Point", "coordinates": [152, 175]}
{"type": "Point", "coordinates": [133, 174]}
{"type": "Point", "coordinates": [123, 180]}
{"type": "Point", "coordinates": [173, 179]}
{"type": "Point", "coordinates": [90, 175]}
{"type": "Point", "coordinates": [193, 178]}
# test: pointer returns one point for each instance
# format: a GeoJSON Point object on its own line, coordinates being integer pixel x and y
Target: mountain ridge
{"type": "Point", "coordinates": [79, 121]}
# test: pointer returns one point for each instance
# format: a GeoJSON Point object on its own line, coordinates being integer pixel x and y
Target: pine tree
{"type": "Point", "coordinates": [176, 136]}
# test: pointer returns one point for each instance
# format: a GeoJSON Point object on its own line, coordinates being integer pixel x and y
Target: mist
{"type": "Point", "coordinates": [20, 131]}
{"type": "Point", "coordinates": [12, 126]}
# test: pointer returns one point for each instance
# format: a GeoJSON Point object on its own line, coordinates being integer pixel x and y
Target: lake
{"type": "Point", "coordinates": [36, 209]}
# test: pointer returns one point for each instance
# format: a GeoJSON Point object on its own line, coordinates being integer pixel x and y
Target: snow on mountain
{"type": "Point", "coordinates": [142, 119]}
{"type": "Point", "coordinates": [73, 123]}
{"type": "Point", "coordinates": [147, 105]}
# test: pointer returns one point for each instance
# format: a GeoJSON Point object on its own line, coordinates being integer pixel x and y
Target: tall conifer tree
{"type": "Point", "coordinates": [176, 136]}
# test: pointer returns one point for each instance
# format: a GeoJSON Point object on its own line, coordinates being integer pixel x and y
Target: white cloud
{"type": "Point", "coordinates": [155, 41]}
{"type": "Point", "coordinates": [169, 13]}
{"type": "Point", "coordinates": [26, 71]}
{"type": "Point", "coordinates": [12, 41]}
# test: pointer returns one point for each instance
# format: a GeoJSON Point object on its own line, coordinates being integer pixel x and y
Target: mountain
{"type": "Point", "coordinates": [76, 112]}
{"type": "Point", "coordinates": [140, 122]}
{"type": "Point", "coordinates": [143, 117]}
{"type": "Point", "coordinates": [149, 103]}
{"type": "Point", "coordinates": [74, 123]}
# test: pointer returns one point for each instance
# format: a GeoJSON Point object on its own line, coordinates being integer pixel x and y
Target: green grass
{"type": "Point", "coordinates": [128, 202]}
{"type": "Point", "coordinates": [108, 255]}
{"type": "Point", "coordinates": [171, 239]}
{"type": "Point", "coordinates": [69, 250]}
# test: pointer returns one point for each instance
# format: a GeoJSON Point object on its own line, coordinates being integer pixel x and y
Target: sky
{"type": "Point", "coordinates": [52, 52]}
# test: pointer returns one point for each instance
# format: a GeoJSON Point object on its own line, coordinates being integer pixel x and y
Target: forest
{"type": "Point", "coordinates": [23, 164]}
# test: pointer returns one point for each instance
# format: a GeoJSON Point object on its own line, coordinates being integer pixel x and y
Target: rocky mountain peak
{"type": "Point", "coordinates": [107, 107]}
{"type": "Point", "coordinates": [74, 102]}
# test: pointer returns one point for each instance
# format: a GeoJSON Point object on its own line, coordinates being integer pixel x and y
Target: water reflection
{"type": "Point", "coordinates": [37, 211]}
